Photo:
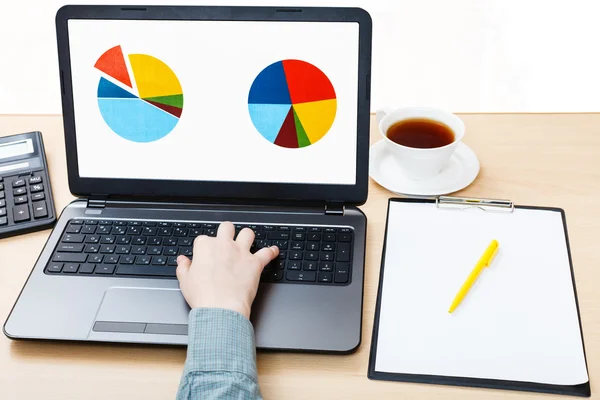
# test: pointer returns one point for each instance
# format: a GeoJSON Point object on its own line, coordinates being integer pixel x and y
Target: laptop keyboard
{"type": "Point", "coordinates": [100, 248]}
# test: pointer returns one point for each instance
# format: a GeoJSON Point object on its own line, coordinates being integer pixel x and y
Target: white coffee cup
{"type": "Point", "coordinates": [418, 163]}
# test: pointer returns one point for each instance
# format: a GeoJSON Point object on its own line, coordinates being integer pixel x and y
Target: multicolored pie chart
{"type": "Point", "coordinates": [143, 109]}
{"type": "Point", "coordinates": [292, 103]}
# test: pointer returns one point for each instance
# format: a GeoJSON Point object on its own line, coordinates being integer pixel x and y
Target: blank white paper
{"type": "Point", "coordinates": [519, 321]}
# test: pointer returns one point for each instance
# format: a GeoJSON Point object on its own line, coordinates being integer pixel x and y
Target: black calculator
{"type": "Point", "coordinates": [26, 203]}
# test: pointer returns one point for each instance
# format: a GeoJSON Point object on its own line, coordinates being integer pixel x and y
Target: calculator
{"type": "Point", "coordinates": [26, 203]}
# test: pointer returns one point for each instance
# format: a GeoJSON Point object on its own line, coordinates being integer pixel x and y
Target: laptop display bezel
{"type": "Point", "coordinates": [213, 190]}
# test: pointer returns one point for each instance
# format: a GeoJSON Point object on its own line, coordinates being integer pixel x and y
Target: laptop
{"type": "Point", "coordinates": [179, 118]}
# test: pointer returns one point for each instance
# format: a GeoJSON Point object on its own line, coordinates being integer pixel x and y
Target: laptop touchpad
{"type": "Point", "coordinates": [141, 310]}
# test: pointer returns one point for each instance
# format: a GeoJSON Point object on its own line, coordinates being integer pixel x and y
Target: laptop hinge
{"type": "Point", "coordinates": [96, 203]}
{"type": "Point", "coordinates": [335, 209]}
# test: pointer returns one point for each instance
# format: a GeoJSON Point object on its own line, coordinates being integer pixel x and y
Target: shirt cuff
{"type": "Point", "coordinates": [220, 340]}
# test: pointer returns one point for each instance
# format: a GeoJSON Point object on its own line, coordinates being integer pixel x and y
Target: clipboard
{"type": "Point", "coordinates": [447, 204]}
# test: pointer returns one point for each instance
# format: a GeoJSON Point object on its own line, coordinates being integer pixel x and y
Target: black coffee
{"type": "Point", "coordinates": [420, 133]}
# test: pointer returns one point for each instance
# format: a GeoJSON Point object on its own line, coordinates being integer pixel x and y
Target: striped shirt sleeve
{"type": "Point", "coordinates": [221, 357]}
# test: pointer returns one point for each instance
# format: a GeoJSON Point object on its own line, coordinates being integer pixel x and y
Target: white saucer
{"type": "Point", "coordinates": [462, 169]}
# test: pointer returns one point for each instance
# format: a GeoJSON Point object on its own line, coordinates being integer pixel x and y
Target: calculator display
{"type": "Point", "coordinates": [17, 148]}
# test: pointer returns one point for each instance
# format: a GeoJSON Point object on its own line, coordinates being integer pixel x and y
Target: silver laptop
{"type": "Point", "coordinates": [179, 118]}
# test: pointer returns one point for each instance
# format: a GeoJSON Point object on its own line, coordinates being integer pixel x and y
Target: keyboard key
{"type": "Point", "coordinates": [299, 236]}
{"type": "Point", "coordinates": [88, 229]}
{"type": "Point", "coordinates": [149, 223]}
{"type": "Point", "coordinates": [164, 224]}
{"type": "Point", "coordinates": [345, 230]}
{"type": "Point", "coordinates": [148, 271]}
{"type": "Point", "coordinates": [55, 267]}
{"type": "Point", "coordinates": [103, 230]}
{"type": "Point", "coordinates": [134, 230]}
{"type": "Point", "coordinates": [343, 252]}
{"type": "Point", "coordinates": [326, 266]}
{"type": "Point", "coordinates": [179, 225]}
{"type": "Point", "coordinates": [301, 276]}
{"type": "Point", "coordinates": [300, 229]}
{"type": "Point", "coordinates": [284, 228]}
{"type": "Point", "coordinates": [312, 246]}
{"type": "Point", "coordinates": [186, 251]}
{"type": "Point", "coordinates": [194, 225]}
{"type": "Point", "coordinates": [260, 235]}
{"type": "Point", "coordinates": [38, 196]}
{"type": "Point", "coordinates": [154, 241]}
{"type": "Point", "coordinates": [278, 235]}
{"type": "Point", "coordinates": [295, 255]}
{"type": "Point", "coordinates": [91, 248]}
{"type": "Point", "coordinates": [193, 232]}
{"type": "Point", "coordinates": [111, 259]}
{"type": "Point", "coordinates": [170, 242]}
{"type": "Point", "coordinates": [73, 238]}
{"type": "Point", "coordinates": [329, 237]}
{"type": "Point", "coordinates": [344, 237]}
{"type": "Point", "coordinates": [76, 222]}
{"type": "Point", "coordinates": [309, 266]}
{"type": "Point", "coordinates": [2, 212]}
{"type": "Point", "coordinates": [21, 213]}
{"type": "Point", "coordinates": [165, 231]}
{"type": "Point", "coordinates": [20, 199]}
{"type": "Point", "coordinates": [149, 231]}
{"type": "Point", "coordinates": [325, 256]}
{"type": "Point", "coordinates": [278, 264]}
{"type": "Point", "coordinates": [154, 250]}
{"type": "Point", "coordinates": [70, 257]}
{"type": "Point", "coordinates": [123, 250]}
{"type": "Point", "coordinates": [134, 223]}
{"type": "Point", "coordinates": [70, 248]}
{"type": "Point", "coordinates": [210, 232]}
{"type": "Point", "coordinates": [91, 239]}
{"type": "Point", "coordinates": [170, 251]}
{"type": "Point", "coordinates": [35, 179]}
{"type": "Point", "coordinates": [3, 221]}
{"type": "Point", "coordinates": [311, 255]}
{"type": "Point", "coordinates": [172, 261]}
{"type": "Point", "coordinates": [108, 239]}
{"type": "Point", "coordinates": [143, 260]}
{"type": "Point", "coordinates": [313, 237]}
{"type": "Point", "coordinates": [271, 276]}
{"type": "Point", "coordinates": [325, 277]}
{"type": "Point", "coordinates": [95, 259]}
{"type": "Point", "coordinates": [87, 268]}
{"type": "Point", "coordinates": [314, 229]}
{"type": "Point", "coordinates": [128, 260]}
{"type": "Point", "coordinates": [2, 203]}
{"type": "Point", "coordinates": [327, 247]}
{"type": "Point", "coordinates": [281, 244]}
{"type": "Point", "coordinates": [140, 240]}
{"type": "Point", "coordinates": [159, 260]}
{"type": "Point", "coordinates": [18, 183]}
{"type": "Point", "coordinates": [36, 188]}
{"type": "Point", "coordinates": [70, 268]}
{"type": "Point", "coordinates": [107, 249]}
{"type": "Point", "coordinates": [107, 269]}
{"type": "Point", "coordinates": [105, 222]}
{"type": "Point", "coordinates": [119, 230]}
{"type": "Point", "coordinates": [330, 230]}
{"type": "Point", "coordinates": [185, 242]}
{"type": "Point", "coordinates": [91, 222]}
{"type": "Point", "coordinates": [297, 246]}
{"type": "Point", "coordinates": [73, 228]}
{"type": "Point", "coordinates": [341, 272]}
{"type": "Point", "coordinates": [1, 194]}
{"type": "Point", "coordinates": [120, 223]}
{"type": "Point", "coordinates": [138, 250]}
{"type": "Point", "coordinates": [294, 265]}
{"type": "Point", "coordinates": [179, 232]}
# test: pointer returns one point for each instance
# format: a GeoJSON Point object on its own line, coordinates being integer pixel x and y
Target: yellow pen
{"type": "Point", "coordinates": [483, 262]}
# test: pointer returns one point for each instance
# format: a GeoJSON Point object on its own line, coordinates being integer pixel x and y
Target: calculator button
{"type": "Point", "coordinates": [3, 221]}
{"type": "Point", "coordinates": [18, 183]}
{"type": "Point", "coordinates": [39, 209]}
{"type": "Point", "coordinates": [20, 191]}
{"type": "Point", "coordinates": [36, 188]}
{"type": "Point", "coordinates": [38, 196]}
{"type": "Point", "coordinates": [20, 199]}
{"type": "Point", "coordinates": [2, 212]}
{"type": "Point", "coordinates": [35, 179]}
{"type": "Point", "coordinates": [21, 213]}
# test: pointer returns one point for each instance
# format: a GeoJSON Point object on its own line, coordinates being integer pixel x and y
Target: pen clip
{"type": "Point", "coordinates": [462, 203]}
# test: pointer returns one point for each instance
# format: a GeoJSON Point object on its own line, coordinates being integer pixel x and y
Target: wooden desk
{"type": "Point", "coordinates": [551, 160]}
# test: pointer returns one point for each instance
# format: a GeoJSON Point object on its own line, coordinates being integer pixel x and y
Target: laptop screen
{"type": "Point", "coordinates": [231, 101]}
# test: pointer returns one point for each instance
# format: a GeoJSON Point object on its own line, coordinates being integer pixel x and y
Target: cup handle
{"type": "Point", "coordinates": [382, 112]}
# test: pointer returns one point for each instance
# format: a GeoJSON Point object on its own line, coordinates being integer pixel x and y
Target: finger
{"type": "Point", "coordinates": [266, 255]}
{"type": "Point", "coordinates": [245, 238]}
{"type": "Point", "coordinates": [183, 267]}
{"type": "Point", "coordinates": [226, 231]}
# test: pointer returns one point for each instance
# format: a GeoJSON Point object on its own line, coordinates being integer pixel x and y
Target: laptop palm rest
{"type": "Point", "coordinates": [140, 310]}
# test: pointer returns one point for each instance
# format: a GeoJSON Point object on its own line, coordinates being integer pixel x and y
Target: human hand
{"type": "Point", "coordinates": [223, 274]}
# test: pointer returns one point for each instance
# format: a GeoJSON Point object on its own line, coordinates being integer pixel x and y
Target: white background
{"type": "Point", "coordinates": [466, 55]}
{"type": "Point", "coordinates": [215, 139]}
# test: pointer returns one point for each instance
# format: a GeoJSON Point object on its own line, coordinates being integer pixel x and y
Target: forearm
{"type": "Point", "coordinates": [221, 357]}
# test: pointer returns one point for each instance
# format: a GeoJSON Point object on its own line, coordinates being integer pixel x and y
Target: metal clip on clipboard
{"type": "Point", "coordinates": [463, 203]}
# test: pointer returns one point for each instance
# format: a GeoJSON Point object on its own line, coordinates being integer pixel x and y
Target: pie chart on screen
{"type": "Point", "coordinates": [292, 104]}
{"type": "Point", "coordinates": [142, 106]}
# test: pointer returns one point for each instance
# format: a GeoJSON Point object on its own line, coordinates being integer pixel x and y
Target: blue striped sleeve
{"type": "Point", "coordinates": [221, 357]}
